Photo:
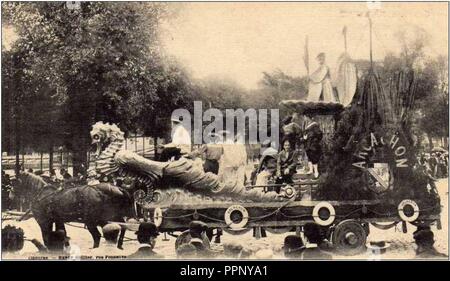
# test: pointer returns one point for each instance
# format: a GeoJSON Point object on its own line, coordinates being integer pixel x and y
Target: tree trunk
{"type": "Point", "coordinates": [155, 147]}
{"type": "Point", "coordinates": [79, 155]}
{"type": "Point", "coordinates": [430, 141]}
{"type": "Point", "coordinates": [17, 146]}
{"type": "Point", "coordinates": [50, 156]}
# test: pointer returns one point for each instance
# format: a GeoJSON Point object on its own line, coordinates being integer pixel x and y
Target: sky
{"type": "Point", "coordinates": [239, 41]}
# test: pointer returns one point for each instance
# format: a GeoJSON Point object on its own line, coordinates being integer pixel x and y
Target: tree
{"type": "Point", "coordinates": [433, 103]}
{"type": "Point", "coordinates": [97, 61]}
{"type": "Point", "coordinates": [219, 93]}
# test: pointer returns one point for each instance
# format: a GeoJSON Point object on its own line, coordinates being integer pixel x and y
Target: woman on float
{"type": "Point", "coordinates": [286, 162]}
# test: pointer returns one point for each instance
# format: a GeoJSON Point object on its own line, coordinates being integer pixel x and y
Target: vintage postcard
{"type": "Point", "coordinates": [224, 130]}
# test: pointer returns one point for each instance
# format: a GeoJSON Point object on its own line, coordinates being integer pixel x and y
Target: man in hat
{"type": "Point", "coordinates": [146, 236]}
{"type": "Point", "coordinates": [293, 247]}
{"type": "Point", "coordinates": [109, 247]}
{"type": "Point", "coordinates": [199, 239]}
{"type": "Point", "coordinates": [320, 88]}
{"type": "Point", "coordinates": [424, 239]}
{"type": "Point", "coordinates": [181, 138]}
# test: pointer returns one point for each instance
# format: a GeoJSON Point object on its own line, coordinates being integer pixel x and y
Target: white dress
{"type": "Point", "coordinates": [181, 138]}
{"type": "Point", "coordinates": [320, 82]}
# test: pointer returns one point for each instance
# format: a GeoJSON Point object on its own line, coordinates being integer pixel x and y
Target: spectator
{"type": "Point", "coordinates": [109, 247]}
{"type": "Point", "coordinates": [433, 162]}
{"type": "Point", "coordinates": [7, 191]}
{"type": "Point", "coordinates": [293, 247]}
{"type": "Point", "coordinates": [199, 239]}
{"type": "Point", "coordinates": [146, 235]}
{"type": "Point", "coordinates": [424, 239]}
{"type": "Point", "coordinates": [186, 251]}
{"type": "Point", "coordinates": [13, 240]}
{"type": "Point", "coordinates": [65, 174]}
{"type": "Point", "coordinates": [316, 243]}
{"type": "Point", "coordinates": [53, 177]}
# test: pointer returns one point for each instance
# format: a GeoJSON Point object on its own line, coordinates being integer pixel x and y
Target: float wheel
{"type": "Point", "coordinates": [349, 237]}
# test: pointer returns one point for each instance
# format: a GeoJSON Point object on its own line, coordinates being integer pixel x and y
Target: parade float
{"type": "Point", "coordinates": [369, 173]}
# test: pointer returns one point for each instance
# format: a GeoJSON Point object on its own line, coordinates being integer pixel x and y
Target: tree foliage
{"type": "Point", "coordinates": [96, 61]}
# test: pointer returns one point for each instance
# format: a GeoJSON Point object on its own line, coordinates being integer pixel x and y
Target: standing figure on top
{"type": "Point", "coordinates": [313, 146]}
{"type": "Point", "coordinates": [320, 88]}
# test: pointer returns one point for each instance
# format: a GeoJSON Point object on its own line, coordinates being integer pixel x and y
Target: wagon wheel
{"type": "Point", "coordinates": [349, 237]}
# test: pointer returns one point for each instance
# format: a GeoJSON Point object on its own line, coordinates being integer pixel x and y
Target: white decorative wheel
{"type": "Point", "coordinates": [236, 217]}
{"type": "Point", "coordinates": [408, 210]}
{"type": "Point", "coordinates": [157, 216]}
{"type": "Point", "coordinates": [324, 213]}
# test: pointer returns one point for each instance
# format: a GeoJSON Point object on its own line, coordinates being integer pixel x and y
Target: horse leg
{"type": "Point", "coordinates": [46, 228]}
{"type": "Point", "coordinates": [59, 225]}
{"type": "Point", "coordinates": [92, 227]}
{"type": "Point", "coordinates": [122, 235]}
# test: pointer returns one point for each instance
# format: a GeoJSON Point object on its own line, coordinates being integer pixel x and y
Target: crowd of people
{"type": "Point", "coordinates": [59, 247]}
{"type": "Point", "coordinates": [192, 243]}
{"type": "Point", "coordinates": [435, 163]}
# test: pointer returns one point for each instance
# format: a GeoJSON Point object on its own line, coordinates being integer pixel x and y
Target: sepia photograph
{"type": "Point", "coordinates": [224, 131]}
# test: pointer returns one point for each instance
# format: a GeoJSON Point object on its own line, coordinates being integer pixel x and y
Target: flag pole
{"type": "Point", "coordinates": [344, 32]}
{"type": "Point", "coordinates": [370, 30]}
{"type": "Point", "coordinates": [306, 55]}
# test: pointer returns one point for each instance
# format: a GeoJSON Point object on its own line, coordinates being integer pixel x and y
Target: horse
{"type": "Point", "coordinates": [92, 205]}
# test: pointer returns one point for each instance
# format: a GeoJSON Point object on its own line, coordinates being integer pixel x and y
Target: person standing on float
{"type": "Point", "coordinates": [320, 88]}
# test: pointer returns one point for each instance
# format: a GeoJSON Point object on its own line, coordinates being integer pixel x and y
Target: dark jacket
{"type": "Point", "coordinates": [287, 160]}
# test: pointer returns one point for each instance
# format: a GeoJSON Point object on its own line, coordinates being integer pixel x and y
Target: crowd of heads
{"type": "Point", "coordinates": [194, 243]}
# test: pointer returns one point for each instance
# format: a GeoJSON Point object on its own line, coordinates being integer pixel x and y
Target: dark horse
{"type": "Point", "coordinates": [92, 205]}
